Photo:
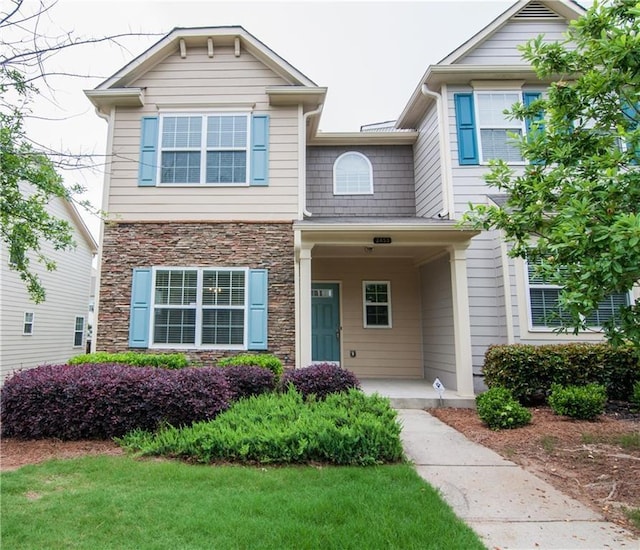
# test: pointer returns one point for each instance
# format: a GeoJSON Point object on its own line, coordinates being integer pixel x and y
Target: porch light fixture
{"type": "Point", "coordinates": [368, 249]}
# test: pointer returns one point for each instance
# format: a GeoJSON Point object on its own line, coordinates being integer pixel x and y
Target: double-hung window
{"type": "Point", "coordinates": [207, 149]}
{"type": "Point", "coordinates": [495, 129]}
{"type": "Point", "coordinates": [377, 304]}
{"type": "Point", "coordinates": [484, 132]}
{"type": "Point", "coordinates": [200, 308]}
{"type": "Point", "coordinates": [545, 310]}
{"type": "Point", "coordinates": [27, 325]}
{"type": "Point", "coordinates": [78, 332]}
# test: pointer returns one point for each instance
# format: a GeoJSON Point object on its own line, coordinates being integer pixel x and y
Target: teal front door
{"type": "Point", "coordinates": [325, 322]}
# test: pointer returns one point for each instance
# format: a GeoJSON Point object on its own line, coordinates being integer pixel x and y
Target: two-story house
{"type": "Point", "coordinates": [238, 226]}
{"type": "Point", "coordinates": [56, 329]}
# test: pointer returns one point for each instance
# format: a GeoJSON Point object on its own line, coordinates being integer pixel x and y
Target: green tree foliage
{"type": "Point", "coordinates": [24, 220]}
{"type": "Point", "coordinates": [575, 207]}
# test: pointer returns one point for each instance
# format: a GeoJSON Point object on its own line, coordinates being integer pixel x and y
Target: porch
{"type": "Point", "coordinates": [414, 394]}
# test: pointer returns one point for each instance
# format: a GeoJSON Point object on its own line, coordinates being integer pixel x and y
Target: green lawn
{"type": "Point", "coordinates": [118, 502]}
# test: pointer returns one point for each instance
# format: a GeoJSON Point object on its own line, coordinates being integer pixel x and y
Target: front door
{"type": "Point", "coordinates": [325, 318]}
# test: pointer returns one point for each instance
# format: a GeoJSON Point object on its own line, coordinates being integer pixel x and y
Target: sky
{"type": "Point", "coordinates": [383, 48]}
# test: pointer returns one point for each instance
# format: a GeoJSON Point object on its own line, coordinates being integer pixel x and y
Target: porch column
{"type": "Point", "coordinates": [304, 336]}
{"type": "Point", "coordinates": [461, 320]}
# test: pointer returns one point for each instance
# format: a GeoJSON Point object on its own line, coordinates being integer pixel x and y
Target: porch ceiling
{"type": "Point", "coordinates": [418, 238]}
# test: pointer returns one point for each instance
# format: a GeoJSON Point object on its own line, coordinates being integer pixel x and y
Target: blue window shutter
{"type": "Point", "coordinates": [634, 122]}
{"type": "Point", "coordinates": [140, 309]}
{"type": "Point", "coordinates": [528, 98]}
{"type": "Point", "coordinates": [260, 150]}
{"type": "Point", "coordinates": [258, 309]}
{"type": "Point", "coordinates": [148, 152]}
{"type": "Point", "coordinates": [466, 124]}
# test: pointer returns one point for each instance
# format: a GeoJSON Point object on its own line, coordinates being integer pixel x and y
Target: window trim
{"type": "Point", "coordinates": [387, 303]}
{"type": "Point", "coordinates": [30, 324]}
{"type": "Point", "coordinates": [198, 309]}
{"type": "Point", "coordinates": [204, 114]}
{"type": "Point", "coordinates": [546, 328]}
{"type": "Point", "coordinates": [335, 164]}
{"type": "Point", "coordinates": [76, 331]}
{"type": "Point", "coordinates": [517, 124]}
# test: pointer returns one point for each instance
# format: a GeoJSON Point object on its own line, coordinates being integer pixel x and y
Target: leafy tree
{"type": "Point", "coordinates": [574, 210]}
{"type": "Point", "coordinates": [28, 171]}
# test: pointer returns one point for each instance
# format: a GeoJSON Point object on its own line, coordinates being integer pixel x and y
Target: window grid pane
{"type": "Point", "coordinates": [226, 167]}
{"type": "Point", "coordinates": [78, 334]}
{"type": "Point", "coordinates": [226, 132]}
{"type": "Point", "coordinates": [353, 175]}
{"type": "Point", "coordinates": [181, 132]}
{"type": "Point", "coordinates": [174, 326]}
{"type": "Point", "coordinates": [497, 144]}
{"type": "Point", "coordinates": [180, 167]}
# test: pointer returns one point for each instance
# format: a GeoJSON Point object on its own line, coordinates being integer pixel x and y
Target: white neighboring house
{"type": "Point", "coordinates": [56, 329]}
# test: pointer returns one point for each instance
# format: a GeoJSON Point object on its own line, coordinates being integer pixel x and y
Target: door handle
{"type": "Point", "coordinates": [338, 334]}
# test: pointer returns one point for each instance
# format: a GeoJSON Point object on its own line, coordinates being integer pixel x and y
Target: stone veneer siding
{"type": "Point", "coordinates": [254, 245]}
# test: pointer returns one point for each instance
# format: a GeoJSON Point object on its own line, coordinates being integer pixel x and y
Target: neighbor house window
{"type": "Point", "coordinates": [546, 312]}
{"type": "Point", "coordinates": [200, 307]}
{"type": "Point", "coordinates": [27, 325]}
{"type": "Point", "coordinates": [78, 332]}
{"type": "Point", "coordinates": [204, 149]}
{"type": "Point", "coordinates": [494, 128]}
{"type": "Point", "coordinates": [352, 175]}
{"type": "Point", "coordinates": [377, 304]}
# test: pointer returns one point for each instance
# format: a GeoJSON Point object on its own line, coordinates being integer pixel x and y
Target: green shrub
{"type": "Point", "coordinates": [263, 360]}
{"type": "Point", "coordinates": [347, 428]}
{"type": "Point", "coordinates": [498, 409]}
{"type": "Point", "coordinates": [635, 396]}
{"type": "Point", "coordinates": [529, 371]}
{"type": "Point", "coordinates": [582, 402]}
{"type": "Point", "coordinates": [134, 359]}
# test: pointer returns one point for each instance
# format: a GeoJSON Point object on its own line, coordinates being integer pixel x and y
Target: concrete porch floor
{"type": "Point", "coordinates": [414, 394]}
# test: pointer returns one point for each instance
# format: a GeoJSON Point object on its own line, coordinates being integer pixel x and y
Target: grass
{"type": "Point", "coordinates": [549, 443]}
{"type": "Point", "coordinates": [629, 440]}
{"type": "Point", "coordinates": [634, 516]}
{"type": "Point", "coordinates": [118, 502]}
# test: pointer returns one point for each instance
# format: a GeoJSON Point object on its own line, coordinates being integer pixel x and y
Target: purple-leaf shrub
{"type": "Point", "coordinates": [320, 379]}
{"type": "Point", "coordinates": [245, 381]}
{"type": "Point", "coordinates": [100, 401]}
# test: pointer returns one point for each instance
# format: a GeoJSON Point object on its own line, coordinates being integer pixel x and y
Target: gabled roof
{"type": "Point", "coordinates": [80, 225]}
{"type": "Point", "coordinates": [221, 36]}
{"type": "Point", "coordinates": [450, 70]}
{"type": "Point", "coordinates": [119, 88]}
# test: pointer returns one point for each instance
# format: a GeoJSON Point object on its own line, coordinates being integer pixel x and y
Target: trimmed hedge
{"type": "Point", "coordinates": [134, 359]}
{"type": "Point", "coordinates": [529, 371]}
{"type": "Point", "coordinates": [346, 428]}
{"type": "Point", "coordinates": [103, 401]}
{"type": "Point", "coordinates": [262, 360]}
{"type": "Point", "coordinates": [245, 381]}
{"type": "Point", "coordinates": [320, 380]}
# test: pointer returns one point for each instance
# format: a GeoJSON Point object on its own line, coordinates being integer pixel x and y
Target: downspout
{"type": "Point", "coordinates": [105, 197]}
{"type": "Point", "coordinates": [447, 200]}
{"type": "Point", "coordinates": [302, 170]}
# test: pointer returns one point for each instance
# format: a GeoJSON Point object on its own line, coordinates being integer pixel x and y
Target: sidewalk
{"type": "Point", "coordinates": [507, 506]}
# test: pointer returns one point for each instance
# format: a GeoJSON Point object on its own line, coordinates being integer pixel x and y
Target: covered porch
{"type": "Point", "coordinates": [414, 394]}
{"type": "Point", "coordinates": [386, 299]}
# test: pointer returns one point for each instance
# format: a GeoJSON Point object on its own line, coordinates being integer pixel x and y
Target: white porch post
{"type": "Point", "coordinates": [304, 334]}
{"type": "Point", "coordinates": [461, 320]}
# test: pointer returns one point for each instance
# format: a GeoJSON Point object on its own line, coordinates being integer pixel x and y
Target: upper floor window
{"type": "Point", "coordinates": [545, 310]}
{"type": "Point", "coordinates": [352, 175]}
{"type": "Point", "coordinates": [204, 149]}
{"type": "Point", "coordinates": [484, 132]}
{"type": "Point", "coordinates": [494, 128]}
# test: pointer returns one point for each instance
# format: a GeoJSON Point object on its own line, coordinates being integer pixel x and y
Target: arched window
{"type": "Point", "coordinates": [352, 175]}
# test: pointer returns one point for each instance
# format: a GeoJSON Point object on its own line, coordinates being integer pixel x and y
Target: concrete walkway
{"type": "Point", "coordinates": [507, 506]}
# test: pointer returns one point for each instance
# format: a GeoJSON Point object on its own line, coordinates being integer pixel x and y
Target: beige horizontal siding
{"type": "Point", "coordinates": [206, 84]}
{"type": "Point", "coordinates": [383, 353]}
